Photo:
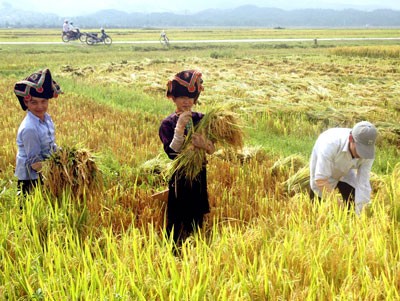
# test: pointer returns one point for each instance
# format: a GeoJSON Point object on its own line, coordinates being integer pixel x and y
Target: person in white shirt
{"type": "Point", "coordinates": [163, 34]}
{"type": "Point", "coordinates": [163, 38]}
{"type": "Point", "coordinates": [342, 158]}
{"type": "Point", "coordinates": [65, 26]}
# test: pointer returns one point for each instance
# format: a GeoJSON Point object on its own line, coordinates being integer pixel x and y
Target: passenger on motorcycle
{"type": "Point", "coordinates": [72, 31]}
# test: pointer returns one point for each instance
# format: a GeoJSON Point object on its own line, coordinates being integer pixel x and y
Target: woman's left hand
{"type": "Point", "coordinates": [37, 166]}
{"type": "Point", "coordinates": [198, 140]}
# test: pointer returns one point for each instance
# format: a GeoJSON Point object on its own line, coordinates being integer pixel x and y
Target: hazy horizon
{"type": "Point", "coordinates": [76, 8]}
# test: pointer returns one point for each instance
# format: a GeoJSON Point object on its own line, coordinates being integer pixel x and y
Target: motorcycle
{"type": "Point", "coordinates": [92, 38]}
{"type": "Point", "coordinates": [72, 35]}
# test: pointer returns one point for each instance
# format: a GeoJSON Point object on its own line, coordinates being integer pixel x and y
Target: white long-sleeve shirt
{"type": "Point", "coordinates": [66, 27]}
{"type": "Point", "coordinates": [331, 160]}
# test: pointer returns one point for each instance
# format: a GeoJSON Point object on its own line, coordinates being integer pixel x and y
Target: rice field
{"type": "Point", "coordinates": [263, 239]}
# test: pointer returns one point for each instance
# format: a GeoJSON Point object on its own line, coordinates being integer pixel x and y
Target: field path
{"type": "Point", "coordinates": [213, 41]}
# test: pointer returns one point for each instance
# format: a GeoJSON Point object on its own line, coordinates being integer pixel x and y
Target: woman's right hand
{"type": "Point", "coordinates": [183, 120]}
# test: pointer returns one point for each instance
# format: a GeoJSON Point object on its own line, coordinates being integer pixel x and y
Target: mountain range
{"type": "Point", "coordinates": [243, 16]}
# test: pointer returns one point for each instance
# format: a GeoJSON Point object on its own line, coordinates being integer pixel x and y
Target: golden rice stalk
{"type": "Point", "coordinates": [378, 182]}
{"type": "Point", "coordinates": [387, 51]}
{"type": "Point", "coordinates": [72, 169]}
{"type": "Point", "coordinates": [218, 125]}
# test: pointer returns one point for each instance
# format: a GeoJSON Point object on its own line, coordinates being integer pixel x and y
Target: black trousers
{"type": "Point", "coordinates": [26, 186]}
{"type": "Point", "coordinates": [347, 191]}
{"type": "Point", "coordinates": [183, 228]}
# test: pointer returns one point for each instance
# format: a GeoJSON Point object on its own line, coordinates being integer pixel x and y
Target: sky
{"type": "Point", "coordinates": [78, 7]}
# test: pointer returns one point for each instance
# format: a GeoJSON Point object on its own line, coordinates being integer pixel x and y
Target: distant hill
{"type": "Point", "coordinates": [244, 16]}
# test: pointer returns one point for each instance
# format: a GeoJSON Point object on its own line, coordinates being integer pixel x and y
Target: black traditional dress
{"type": "Point", "coordinates": [187, 200]}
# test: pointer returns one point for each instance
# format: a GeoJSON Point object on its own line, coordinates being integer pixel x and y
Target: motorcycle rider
{"type": "Point", "coordinates": [65, 27]}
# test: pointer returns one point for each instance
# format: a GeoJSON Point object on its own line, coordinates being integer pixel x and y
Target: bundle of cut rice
{"type": "Point", "coordinates": [288, 165]}
{"type": "Point", "coordinates": [243, 155]}
{"type": "Point", "coordinates": [222, 126]}
{"type": "Point", "coordinates": [299, 182]}
{"type": "Point", "coordinates": [218, 125]}
{"type": "Point", "coordinates": [72, 169]}
{"type": "Point", "coordinates": [157, 165]}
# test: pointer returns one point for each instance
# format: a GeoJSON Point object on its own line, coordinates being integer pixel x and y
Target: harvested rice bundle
{"type": "Point", "coordinates": [288, 164]}
{"type": "Point", "coordinates": [299, 182]}
{"type": "Point", "coordinates": [223, 127]}
{"type": "Point", "coordinates": [157, 165]}
{"type": "Point", "coordinates": [218, 125]}
{"type": "Point", "coordinates": [72, 169]}
{"type": "Point", "coordinates": [243, 155]}
{"type": "Point", "coordinates": [153, 171]}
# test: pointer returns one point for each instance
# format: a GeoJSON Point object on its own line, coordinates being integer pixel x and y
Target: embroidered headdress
{"type": "Point", "coordinates": [38, 84]}
{"type": "Point", "coordinates": [186, 83]}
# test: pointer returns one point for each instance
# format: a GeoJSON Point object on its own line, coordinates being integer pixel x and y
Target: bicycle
{"type": "Point", "coordinates": [164, 41]}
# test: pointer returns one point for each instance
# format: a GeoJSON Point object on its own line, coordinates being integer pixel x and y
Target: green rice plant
{"type": "Point", "coordinates": [220, 55]}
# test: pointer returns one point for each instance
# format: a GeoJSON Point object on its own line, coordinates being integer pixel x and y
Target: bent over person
{"type": "Point", "coordinates": [342, 158]}
{"type": "Point", "coordinates": [187, 200]}
{"type": "Point", "coordinates": [36, 134]}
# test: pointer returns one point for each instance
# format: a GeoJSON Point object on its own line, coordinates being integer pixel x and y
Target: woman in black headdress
{"type": "Point", "coordinates": [187, 199]}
